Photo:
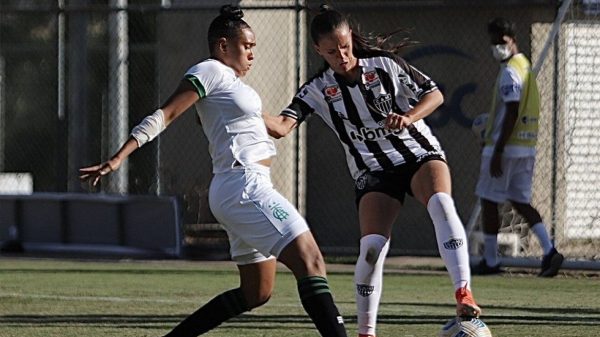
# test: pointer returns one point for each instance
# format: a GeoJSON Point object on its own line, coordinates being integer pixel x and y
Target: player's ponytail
{"type": "Point", "coordinates": [228, 25]}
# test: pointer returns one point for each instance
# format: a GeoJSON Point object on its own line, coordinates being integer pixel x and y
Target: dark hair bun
{"type": "Point", "coordinates": [324, 8]}
{"type": "Point", "coordinates": [231, 12]}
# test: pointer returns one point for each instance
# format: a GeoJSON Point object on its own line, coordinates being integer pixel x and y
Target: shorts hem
{"type": "Point", "coordinates": [250, 258]}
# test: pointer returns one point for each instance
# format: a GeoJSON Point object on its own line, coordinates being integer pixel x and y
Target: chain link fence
{"type": "Point", "coordinates": [77, 75]}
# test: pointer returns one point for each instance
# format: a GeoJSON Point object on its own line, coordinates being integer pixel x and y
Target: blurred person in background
{"type": "Point", "coordinates": [508, 154]}
{"type": "Point", "coordinates": [376, 102]}
{"type": "Point", "coordinates": [261, 224]}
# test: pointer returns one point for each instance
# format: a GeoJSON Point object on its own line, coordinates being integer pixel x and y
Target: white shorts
{"type": "Point", "coordinates": [513, 185]}
{"type": "Point", "coordinates": [258, 220]}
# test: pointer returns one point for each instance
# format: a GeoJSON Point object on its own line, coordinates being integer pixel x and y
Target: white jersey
{"type": "Point", "coordinates": [356, 112]}
{"type": "Point", "coordinates": [231, 115]}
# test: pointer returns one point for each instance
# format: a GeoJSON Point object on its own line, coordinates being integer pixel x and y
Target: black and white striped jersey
{"type": "Point", "coordinates": [356, 112]}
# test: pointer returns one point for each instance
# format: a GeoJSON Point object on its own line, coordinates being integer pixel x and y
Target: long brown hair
{"type": "Point", "coordinates": [328, 20]}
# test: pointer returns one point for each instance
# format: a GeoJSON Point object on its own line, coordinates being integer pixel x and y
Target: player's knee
{"type": "Point", "coordinates": [258, 298]}
{"type": "Point", "coordinates": [315, 264]}
{"type": "Point", "coordinates": [371, 246]}
{"type": "Point", "coordinates": [441, 203]}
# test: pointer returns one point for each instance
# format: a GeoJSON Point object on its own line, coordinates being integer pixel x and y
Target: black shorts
{"type": "Point", "coordinates": [394, 182]}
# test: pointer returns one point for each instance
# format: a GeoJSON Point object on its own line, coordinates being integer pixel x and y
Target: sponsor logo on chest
{"type": "Point", "coordinates": [332, 93]}
{"type": "Point", "coordinates": [371, 79]}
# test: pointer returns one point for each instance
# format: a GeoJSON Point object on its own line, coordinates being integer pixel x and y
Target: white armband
{"type": "Point", "coordinates": [149, 128]}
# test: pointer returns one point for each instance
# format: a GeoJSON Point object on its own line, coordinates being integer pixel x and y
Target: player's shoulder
{"type": "Point", "coordinates": [509, 74]}
{"type": "Point", "coordinates": [383, 58]}
{"type": "Point", "coordinates": [207, 66]}
{"type": "Point", "coordinates": [319, 77]}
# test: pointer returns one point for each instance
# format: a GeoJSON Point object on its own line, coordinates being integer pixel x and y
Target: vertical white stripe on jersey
{"type": "Point", "coordinates": [349, 158]}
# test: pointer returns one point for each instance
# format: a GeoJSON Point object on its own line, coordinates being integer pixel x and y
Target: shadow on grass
{"type": "Point", "coordinates": [249, 321]}
{"type": "Point", "coordinates": [541, 310]}
{"type": "Point", "coordinates": [115, 271]}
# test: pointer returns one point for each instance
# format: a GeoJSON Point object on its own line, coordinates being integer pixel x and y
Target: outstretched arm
{"type": "Point", "coordinates": [279, 126]}
{"type": "Point", "coordinates": [183, 97]}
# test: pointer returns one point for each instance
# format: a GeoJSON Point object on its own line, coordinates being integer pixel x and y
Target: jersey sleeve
{"type": "Point", "coordinates": [510, 86]}
{"type": "Point", "coordinates": [307, 100]}
{"type": "Point", "coordinates": [205, 77]}
{"type": "Point", "coordinates": [416, 81]}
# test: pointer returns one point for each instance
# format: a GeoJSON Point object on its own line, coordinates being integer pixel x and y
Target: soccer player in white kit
{"type": "Point", "coordinates": [261, 224]}
{"type": "Point", "coordinates": [375, 102]}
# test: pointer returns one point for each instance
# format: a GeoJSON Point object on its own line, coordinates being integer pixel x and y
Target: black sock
{"type": "Point", "coordinates": [318, 303]}
{"type": "Point", "coordinates": [221, 308]}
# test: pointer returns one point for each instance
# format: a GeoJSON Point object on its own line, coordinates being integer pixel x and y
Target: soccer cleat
{"type": "Point", "coordinates": [465, 304]}
{"type": "Point", "coordinates": [363, 335]}
{"type": "Point", "coordinates": [483, 269]}
{"type": "Point", "coordinates": [551, 263]}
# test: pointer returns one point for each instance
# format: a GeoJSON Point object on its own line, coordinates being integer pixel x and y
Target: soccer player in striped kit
{"type": "Point", "coordinates": [375, 103]}
{"type": "Point", "coordinates": [262, 225]}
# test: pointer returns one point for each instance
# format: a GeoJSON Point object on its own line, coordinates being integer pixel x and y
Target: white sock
{"type": "Point", "coordinates": [539, 229]}
{"type": "Point", "coordinates": [451, 238]}
{"type": "Point", "coordinates": [368, 277]}
{"type": "Point", "coordinates": [490, 249]}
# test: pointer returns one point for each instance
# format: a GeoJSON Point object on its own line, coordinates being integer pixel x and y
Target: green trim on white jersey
{"type": "Point", "coordinates": [196, 83]}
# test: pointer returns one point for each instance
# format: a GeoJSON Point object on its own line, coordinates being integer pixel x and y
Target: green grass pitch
{"type": "Point", "coordinates": [46, 298]}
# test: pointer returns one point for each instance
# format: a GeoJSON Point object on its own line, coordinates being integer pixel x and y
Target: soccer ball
{"type": "Point", "coordinates": [479, 125]}
{"type": "Point", "coordinates": [467, 327]}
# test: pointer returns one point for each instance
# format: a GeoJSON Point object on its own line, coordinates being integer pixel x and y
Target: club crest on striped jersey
{"type": "Point", "coordinates": [383, 103]}
{"type": "Point", "coordinates": [371, 79]}
{"type": "Point", "coordinates": [332, 93]}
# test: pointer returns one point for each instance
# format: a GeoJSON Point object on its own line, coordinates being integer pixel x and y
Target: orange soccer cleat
{"type": "Point", "coordinates": [465, 304]}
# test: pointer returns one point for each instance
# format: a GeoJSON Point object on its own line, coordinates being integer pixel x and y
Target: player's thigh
{"type": "Point", "coordinates": [303, 257]}
{"type": "Point", "coordinates": [432, 177]}
{"type": "Point", "coordinates": [377, 212]}
{"type": "Point", "coordinates": [255, 215]}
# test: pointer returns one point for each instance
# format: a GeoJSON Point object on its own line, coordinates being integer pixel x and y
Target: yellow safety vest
{"type": "Point", "coordinates": [526, 127]}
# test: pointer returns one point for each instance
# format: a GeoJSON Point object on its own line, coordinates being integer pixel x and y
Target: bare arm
{"type": "Point", "coordinates": [184, 96]}
{"type": "Point", "coordinates": [182, 99]}
{"type": "Point", "coordinates": [279, 126]}
{"type": "Point", "coordinates": [424, 108]}
{"type": "Point", "coordinates": [508, 125]}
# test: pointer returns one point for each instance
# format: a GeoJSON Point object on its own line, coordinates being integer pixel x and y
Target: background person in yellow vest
{"type": "Point", "coordinates": [508, 154]}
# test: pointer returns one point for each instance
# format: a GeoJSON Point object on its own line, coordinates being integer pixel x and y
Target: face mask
{"type": "Point", "coordinates": [501, 52]}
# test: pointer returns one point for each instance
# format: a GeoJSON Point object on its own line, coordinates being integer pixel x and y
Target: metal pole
{"type": "Point", "coordinates": [2, 132]}
{"type": "Point", "coordinates": [62, 167]}
{"type": "Point", "coordinates": [61, 61]}
{"type": "Point", "coordinates": [297, 195]}
{"type": "Point", "coordinates": [555, 135]}
{"type": "Point", "coordinates": [118, 91]}
{"type": "Point", "coordinates": [78, 121]}
{"type": "Point", "coordinates": [560, 15]}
